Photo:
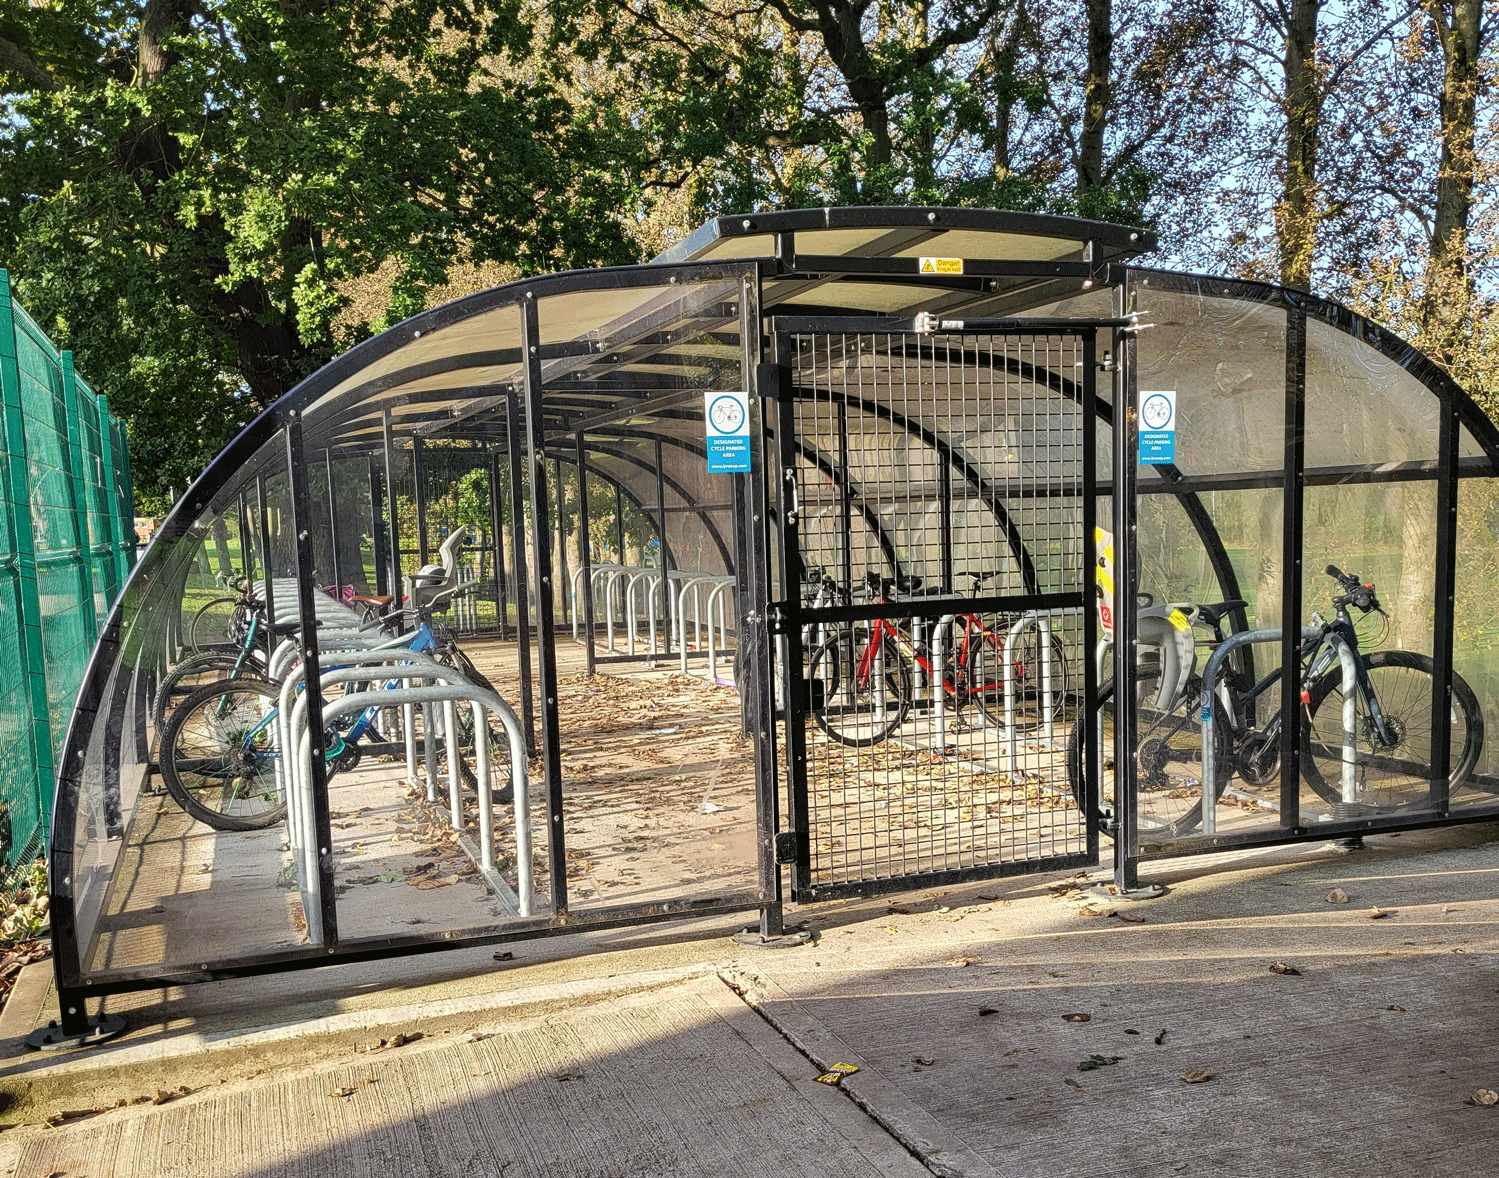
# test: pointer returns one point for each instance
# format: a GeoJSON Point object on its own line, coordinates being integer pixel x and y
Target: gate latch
{"type": "Point", "coordinates": [786, 847]}
{"type": "Point", "coordinates": [775, 619]}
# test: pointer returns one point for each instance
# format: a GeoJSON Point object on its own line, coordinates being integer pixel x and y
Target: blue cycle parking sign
{"type": "Point", "coordinates": [727, 428]}
{"type": "Point", "coordinates": [1157, 425]}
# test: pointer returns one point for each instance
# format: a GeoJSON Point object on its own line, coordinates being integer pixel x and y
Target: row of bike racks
{"type": "Point", "coordinates": [624, 594]}
{"type": "Point", "coordinates": [360, 658]}
{"type": "Point", "coordinates": [1348, 783]}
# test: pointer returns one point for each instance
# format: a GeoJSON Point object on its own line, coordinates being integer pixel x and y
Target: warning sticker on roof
{"type": "Point", "coordinates": [942, 265]}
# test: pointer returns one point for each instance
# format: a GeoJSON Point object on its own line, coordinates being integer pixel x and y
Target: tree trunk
{"type": "Point", "coordinates": [1462, 46]}
{"type": "Point", "coordinates": [1096, 95]}
{"type": "Point", "coordinates": [1296, 215]}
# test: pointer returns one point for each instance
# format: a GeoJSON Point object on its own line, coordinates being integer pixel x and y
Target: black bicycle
{"type": "Point", "coordinates": [1393, 722]}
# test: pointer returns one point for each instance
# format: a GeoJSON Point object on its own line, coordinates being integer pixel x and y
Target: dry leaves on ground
{"type": "Point", "coordinates": [1285, 970]}
{"type": "Point", "coordinates": [1337, 896]}
{"type": "Point", "coordinates": [1079, 1017]}
{"type": "Point", "coordinates": [1379, 913]}
{"type": "Point", "coordinates": [1197, 1076]}
{"type": "Point", "coordinates": [1484, 1098]}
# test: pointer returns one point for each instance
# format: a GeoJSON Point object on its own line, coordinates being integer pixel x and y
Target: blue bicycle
{"type": "Point", "coordinates": [219, 760]}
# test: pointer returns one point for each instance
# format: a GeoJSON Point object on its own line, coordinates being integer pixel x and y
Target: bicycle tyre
{"type": "Point", "coordinates": [207, 766]}
{"type": "Point", "coordinates": [1401, 680]}
{"type": "Point", "coordinates": [178, 683]}
{"type": "Point", "coordinates": [1161, 795]}
{"type": "Point", "coordinates": [987, 685]}
{"type": "Point", "coordinates": [858, 722]}
{"type": "Point", "coordinates": [214, 625]}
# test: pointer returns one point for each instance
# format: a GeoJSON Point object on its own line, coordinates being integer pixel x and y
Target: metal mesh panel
{"type": "Point", "coordinates": [935, 472]}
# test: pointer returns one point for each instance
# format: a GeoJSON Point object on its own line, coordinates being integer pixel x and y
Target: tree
{"type": "Point", "coordinates": [189, 188]}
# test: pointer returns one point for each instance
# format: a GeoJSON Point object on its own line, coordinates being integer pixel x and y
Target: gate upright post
{"type": "Point", "coordinates": [546, 636]}
{"type": "Point", "coordinates": [377, 530]}
{"type": "Point", "coordinates": [394, 538]}
{"type": "Point", "coordinates": [267, 568]}
{"type": "Point", "coordinates": [1294, 443]}
{"type": "Point", "coordinates": [1126, 586]}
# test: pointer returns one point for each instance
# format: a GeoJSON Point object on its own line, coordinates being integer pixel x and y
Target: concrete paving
{"type": "Point", "coordinates": [697, 1057]}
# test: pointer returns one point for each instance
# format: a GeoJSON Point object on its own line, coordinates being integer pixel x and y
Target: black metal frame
{"type": "Point", "coordinates": [344, 396]}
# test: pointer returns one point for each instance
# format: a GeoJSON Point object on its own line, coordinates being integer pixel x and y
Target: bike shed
{"type": "Point", "coordinates": [939, 412]}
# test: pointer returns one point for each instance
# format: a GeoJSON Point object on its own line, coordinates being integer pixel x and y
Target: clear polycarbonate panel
{"type": "Point", "coordinates": [1475, 644]}
{"type": "Point", "coordinates": [1362, 408]}
{"type": "Point", "coordinates": [1225, 360]}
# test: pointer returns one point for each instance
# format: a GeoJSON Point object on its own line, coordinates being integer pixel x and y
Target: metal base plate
{"type": "Point", "coordinates": [751, 938]}
{"type": "Point", "coordinates": [1109, 891]}
{"type": "Point", "coordinates": [101, 1029]}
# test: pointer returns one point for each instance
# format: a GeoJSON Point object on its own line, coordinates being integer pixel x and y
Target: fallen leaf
{"type": "Point", "coordinates": [1337, 896]}
{"type": "Point", "coordinates": [1079, 1017]}
{"type": "Point", "coordinates": [924, 1061]}
{"type": "Point", "coordinates": [567, 1077]}
{"type": "Point", "coordinates": [1394, 1006]}
{"type": "Point", "coordinates": [341, 1093]}
{"type": "Point", "coordinates": [504, 956]}
{"type": "Point", "coordinates": [1130, 1031]}
{"type": "Point", "coordinates": [986, 1010]}
{"type": "Point", "coordinates": [1197, 1076]}
{"type": "Point", "coordinates": [1071, 1083]}
{"type": "Point", "coordinates": [1281, 967]}
{"type": "Point", "coordinates": [1485, 1097]}
{"type": "Point", "coordinates": [1379, 913]}
{"type": "Point", "coordinates": [1161, 1038]}
{"type": "Point", "coordinates": [962, 961]}
{"type": "Point", "coordinates": [1094, 1062]}
{"type": "Point", "coordinates": [1130, 917]}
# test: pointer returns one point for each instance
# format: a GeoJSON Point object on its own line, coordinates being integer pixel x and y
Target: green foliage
{"type": "Point", "coordinates": [188, 195]}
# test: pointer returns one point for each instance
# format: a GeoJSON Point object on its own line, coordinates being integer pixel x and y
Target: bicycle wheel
{"type": "Point", "coordinates": [1397, 775]}
{"type": "Point", "coordinates": [1032, 676]}
{"type": "Point", "coordinates": [1168, 762]}
{"type": "Point", "coordinates": [217, 626]}
{"type": "Point", "coordinates": [217, 757]}
{"type": "Point", "coordinates": [859, 709]}
{"type": "Point", "coordinates": [188, 676]}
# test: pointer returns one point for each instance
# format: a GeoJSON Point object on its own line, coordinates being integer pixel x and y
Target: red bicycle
{"type": "Point", "coordinates": [863, 677]}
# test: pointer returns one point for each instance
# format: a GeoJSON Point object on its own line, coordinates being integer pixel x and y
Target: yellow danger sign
{"type": "Point", "coordinates": [942, 265]}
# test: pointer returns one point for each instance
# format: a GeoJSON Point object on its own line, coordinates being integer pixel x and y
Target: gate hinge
{"type": "Point", "coordinates": [786, 847]}
{"type": "Point", "coordinates": [775, 619]}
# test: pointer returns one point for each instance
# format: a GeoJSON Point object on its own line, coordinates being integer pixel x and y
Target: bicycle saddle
{"type": "Point", "coordinates": [1215, 613]}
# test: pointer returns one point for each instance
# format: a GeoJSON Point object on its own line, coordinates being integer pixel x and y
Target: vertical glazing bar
{"type": "Point", "coordinates": [419, 499]}
{"type": "Point", "coordinates": [267, 569]}
{"type": "Point", "coordinates": [518, 552]}
{"type": "Point", "coordinates": [749, 349]}
{"type": "Point", "coordinates": [1088, 714]}
{"type": "Point", "coordinates": [1446, 600]}
{"type": "Point", "coordinates": [619, 529]}
{"type": "Point", "coordinates": [377, 530]}
{"type": "Point", "coordinates": [338, 578]}
{"type": "Point", "coordinates": [301, 524]}
{"type": "Point", "coordinates": [1126, 587]}
{"type": "Point", "coordinates": [551, 746]}
{"type": "Point", "coordinates": [394, 537]}
{"type": "Point", "coordinates": [246, 553]}
{"type": "Point", "coordinates": [665, 555]}
{"type": "Point", "coordinates": [944, 505]}
{"type": "Point", "coordinates": [1291, 541]}
{"type": "Point", "coordinates": [497, 532]}
{"type": "Point", "coordinates": [563, 582]}
{"type": "Point", "coordinates": [585, 556]}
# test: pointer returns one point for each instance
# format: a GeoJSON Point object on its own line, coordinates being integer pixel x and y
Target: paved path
{"type": "Point", "coordinates": [1363, 1062]}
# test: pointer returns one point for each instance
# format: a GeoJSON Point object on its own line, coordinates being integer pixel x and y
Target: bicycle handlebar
{"type": "Point", "coordinates": [1355, 593]}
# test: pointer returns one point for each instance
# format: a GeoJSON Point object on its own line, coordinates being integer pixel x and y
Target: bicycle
{"type": "Point", "coordinates": [866, 674]}
{"type": "Point", "coordinates": [217, 758]}
{"type": "Point", "coordinates": [1393, 722]}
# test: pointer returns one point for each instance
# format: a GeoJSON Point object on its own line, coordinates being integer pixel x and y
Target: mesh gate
{"type": "Point", "coordinates": [937, 615]}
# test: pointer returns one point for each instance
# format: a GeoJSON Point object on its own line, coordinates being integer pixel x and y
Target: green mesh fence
{"type": "Point", "coordinates": [67, 541]}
